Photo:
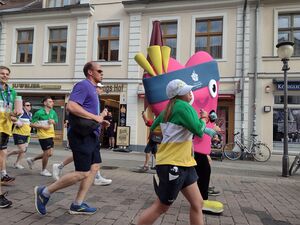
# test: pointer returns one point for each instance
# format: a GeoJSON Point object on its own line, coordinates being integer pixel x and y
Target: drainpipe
{"type": "Point", "coordinates": [255, 66]}
{"type": "Point", "coordinates": [0, 35]}
{"type": "Point", "coordinates": [243, 70]}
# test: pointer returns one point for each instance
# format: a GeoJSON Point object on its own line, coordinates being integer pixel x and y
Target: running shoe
{"type": "Point", "coordinates": [212, 192]}
{"type": "Point", "coordinates": [101, 181]}
{"type": "Point", "coordinates": [212, 206]}
{"type": "Point", "coordinates": [4, 202]}
{"type": "Point", "coordinates": [83, 209]}
{"type": "Point", "coordinates": [40, 200]}
{"type": "Point", "coordinates": [46, 173]}
{"type": "Point", "coordinates": [7, 179]}
{"type": "Point", "coordinates": [18, 166]}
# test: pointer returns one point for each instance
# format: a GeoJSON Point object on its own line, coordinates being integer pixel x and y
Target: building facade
{"type": "Point", "coordinates": [46, 43]}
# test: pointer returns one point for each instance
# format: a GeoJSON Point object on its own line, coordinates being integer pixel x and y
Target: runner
{"type": "Point", "coordinates": [44, 120]}
{"type": "Point", "coordinates": [21, 134]}
{"type": "Point", "coordinates": [83, 136]}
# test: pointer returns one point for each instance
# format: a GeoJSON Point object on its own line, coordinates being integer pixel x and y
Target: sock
{"type": "Point", "coordinates": [3, 173]}
{"type": "Point", "coordinates": [77, 202]}
{"type": "Point", "coordinates": [98, 175]}
{"type": "Point", "coordinates": [46, 192]}
{"type": "Point", "coordinates": [61, 166]}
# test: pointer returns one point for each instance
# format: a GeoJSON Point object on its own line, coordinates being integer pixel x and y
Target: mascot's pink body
{"type": "Point", "coordinates": [201, 71]}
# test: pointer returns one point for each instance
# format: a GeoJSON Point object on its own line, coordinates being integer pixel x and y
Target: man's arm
{"type": "Point", "coordinates": [77, 110]}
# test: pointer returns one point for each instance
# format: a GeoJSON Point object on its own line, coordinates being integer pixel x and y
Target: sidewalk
{"type": "Point", "coordinates": [253, 194]}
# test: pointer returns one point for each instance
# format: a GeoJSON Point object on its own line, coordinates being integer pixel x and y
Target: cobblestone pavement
{"type": "Point", "coordinates": [253, 194]}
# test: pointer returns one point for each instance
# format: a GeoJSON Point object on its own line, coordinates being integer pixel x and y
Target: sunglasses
{"type": "Point", "coordinates": [100, 71]}
{"type": "Point", "coordinates": [27, 105]}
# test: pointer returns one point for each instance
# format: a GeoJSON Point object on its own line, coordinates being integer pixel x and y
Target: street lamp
{"type": "Point", "coordinates": [285, 51]}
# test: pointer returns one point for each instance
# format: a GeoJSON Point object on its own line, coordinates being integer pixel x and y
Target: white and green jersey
{"type": "Point", "coordinates": [176, 146]}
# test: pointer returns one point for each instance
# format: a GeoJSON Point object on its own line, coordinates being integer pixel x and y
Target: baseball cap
{"type": "Point", "coordinates": [100, 85]}
{"type": "Point", "coordinates": [177, 87]}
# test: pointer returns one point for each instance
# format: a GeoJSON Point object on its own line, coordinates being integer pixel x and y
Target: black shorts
{"type": "Point", "coordinates": [85, 149]}
{"type": "Point", "coordinates": [46, 144]}
{"type": "Point", "coordinates": [20, 139]}
{"type": "Point", "coordinates": [170, 180]}
{"type": "Point", "coordinates": [3, 140]}
{"type": "Point", "coordinates": [151, 147]}
{"type": "Point", "coordinates": [110, 133]}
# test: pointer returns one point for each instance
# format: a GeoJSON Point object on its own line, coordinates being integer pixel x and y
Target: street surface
{"type": "Point", "coordinates": [253, 193]}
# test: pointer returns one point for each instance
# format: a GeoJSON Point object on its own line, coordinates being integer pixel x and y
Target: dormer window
{"type": "Point", "coordinates": [61, 3]}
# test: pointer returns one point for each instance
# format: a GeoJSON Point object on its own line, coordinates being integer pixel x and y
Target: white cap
{"type": "Point", "coordinates": [100, 85]}
{"type": "Point", "coordinates": [177, 87]}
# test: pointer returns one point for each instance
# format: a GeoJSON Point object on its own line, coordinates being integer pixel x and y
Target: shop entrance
{"type": "Point", "coordinates": [112, 103]}
{"type": "Point", "coordinates": [225, 114]}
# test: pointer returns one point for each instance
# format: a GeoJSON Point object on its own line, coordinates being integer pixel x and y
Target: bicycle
{"type": "Point", "coordinates": [260, 151]}
{"type": "Point", "coordinates": [295, 165]}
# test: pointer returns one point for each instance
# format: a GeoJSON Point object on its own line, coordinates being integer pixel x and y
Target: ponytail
{"type": "Point", "coordinates": [169, 108]}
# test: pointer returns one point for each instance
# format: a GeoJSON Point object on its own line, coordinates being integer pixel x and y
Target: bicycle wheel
{"type": "Point", "coordinates": [295, 165]}
{"type": "Point", "coordinates": [261, 152]}
{"type": "Point", "coordinates": [232, 151]}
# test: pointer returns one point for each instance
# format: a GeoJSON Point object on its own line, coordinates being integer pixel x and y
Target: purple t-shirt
{"type": "Point", "coordinates": [84, 93]}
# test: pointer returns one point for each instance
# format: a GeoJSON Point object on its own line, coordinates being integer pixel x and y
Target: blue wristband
{"type": "Point", "coordinates": [210, 132]}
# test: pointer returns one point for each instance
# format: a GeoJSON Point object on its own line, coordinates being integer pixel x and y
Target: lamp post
{"type": "Point", "coordinates": [285, 51]}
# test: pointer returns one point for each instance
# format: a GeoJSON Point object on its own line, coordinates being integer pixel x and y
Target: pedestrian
{"type": "Point", "coordinates": [44, 120]}
{"type": "Point", "coordinates": [174, 158]}
{"type": "Point", "coordinates": [151, 147]}
{"type": "Point", "coordinates": [111, 130]}
{"type": "Point", "coordinates": [21, 134]}
{"type": "Point", "coordinates": [7, 116]}
{"type": "Point", "coordinates": [84, 119]}
{"type": "Point", "coordinates": [58, 167]}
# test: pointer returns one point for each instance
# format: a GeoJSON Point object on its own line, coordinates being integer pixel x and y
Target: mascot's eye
{"type": "Point", "coordinates": [213, 88]}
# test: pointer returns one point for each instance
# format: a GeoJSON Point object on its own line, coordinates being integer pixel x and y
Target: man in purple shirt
{"type": "Point", "coordinates": [83, 106]}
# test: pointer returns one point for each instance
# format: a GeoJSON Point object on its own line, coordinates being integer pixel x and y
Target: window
{"type": "Point", "coordinates": [289, 30]}
{"type": "Point", "coordinates": [61, 3]}
{"type": "Point", "coordinates": [293, 125]}
{"type": "Point", "coordinates": [57, 45]}
{"type": "Point", "coordinates": [169, 35]}
{"type": "Point", "coordinates": [24, 46]}
{"type": "Point", "coordinates": [209, 35]}
{"type": "Point", "coordinates": [108, 42]}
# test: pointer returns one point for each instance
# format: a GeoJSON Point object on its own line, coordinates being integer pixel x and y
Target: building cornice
{"type": "Point", "coordinates": [165, 6]}
{"type": "Point", "coordinates": [48, 13]}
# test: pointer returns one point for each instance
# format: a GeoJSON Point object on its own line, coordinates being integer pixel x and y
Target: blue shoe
{"type": "Point", "coordinates": [81, 209]}
{"type": "Point", "coordinates": [40, 200]}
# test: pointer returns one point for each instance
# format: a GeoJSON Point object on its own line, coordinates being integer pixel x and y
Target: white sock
{"type": "Point", "coordinates": [3, 173]}
{"type": "Point", "coordinates": [61, 166]}
{"type": "Point", "coordinates": [98, 175]}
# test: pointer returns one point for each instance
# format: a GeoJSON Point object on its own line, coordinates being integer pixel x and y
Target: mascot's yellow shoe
{"type": "Point", "coordinates": [212, 206]}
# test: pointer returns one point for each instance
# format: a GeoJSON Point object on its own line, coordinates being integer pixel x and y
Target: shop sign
{"type": "Point", "coordinates": [292, 85]}
{"type": "Point", "coordinates": [35, 86]}
{"type": "Point", "coordinates": [113, 88]}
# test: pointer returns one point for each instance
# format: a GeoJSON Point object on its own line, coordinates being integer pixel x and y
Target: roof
{"type": "Point", "coordinates": [12, 5]}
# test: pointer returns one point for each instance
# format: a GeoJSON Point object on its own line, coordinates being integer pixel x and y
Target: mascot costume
{"type": "Point", "coordinates": [200, 71]}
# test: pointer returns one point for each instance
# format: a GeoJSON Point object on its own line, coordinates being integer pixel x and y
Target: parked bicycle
{"type": "Point", "coordinates": [260, 151]}
{"type": "Point", "coordinates": [295, 165]}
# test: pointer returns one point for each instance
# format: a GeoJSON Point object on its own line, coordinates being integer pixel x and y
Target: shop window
{"type": "Point", "coordinates": [279, 99]}
{"type": "Point", "coordinates": [57, 45]}
{"type": "Point", "coordinates": [61, 3]}
{"type": "Point", "coordinates": [293, 125]}
{"type": "Point", "coordinates": [24, 46]}
{"type": "Point", "coordinates": [108, 42]}
{"type": "Point", "coordinates": [289, 30]}
{"type": "Point", "coordinates": [169, 35]}
{"type": "Point", "coordinates": [209, 36]}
